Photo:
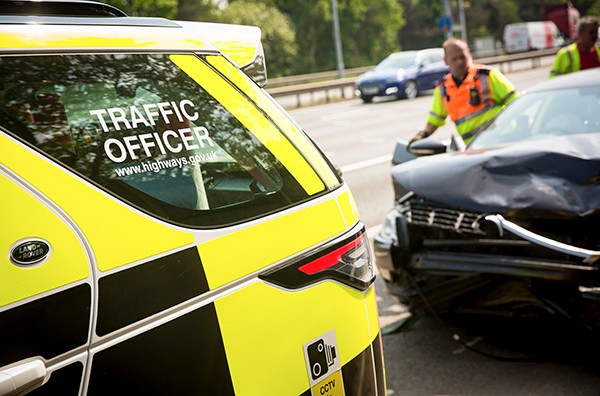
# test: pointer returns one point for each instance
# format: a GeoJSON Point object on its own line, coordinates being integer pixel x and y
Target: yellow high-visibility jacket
{"type": "Point", "coordinates": [567, 60]}
{"type": "Point", "coordinates": [480, 96]}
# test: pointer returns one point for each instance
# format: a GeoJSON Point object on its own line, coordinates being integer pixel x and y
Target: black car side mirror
{"type": "Point", "coordinates": [405, 151]}
{"type": "Point", "coordinates": [427, 146]}
{"type": "Point", "coordinates": [401, 153]}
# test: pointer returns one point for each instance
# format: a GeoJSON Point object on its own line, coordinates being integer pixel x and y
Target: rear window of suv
{"type": "Point", "coordinates": [167, 133]}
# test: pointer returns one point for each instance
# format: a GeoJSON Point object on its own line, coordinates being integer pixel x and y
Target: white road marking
{"type": "Point", "coordinates": [367, 163]}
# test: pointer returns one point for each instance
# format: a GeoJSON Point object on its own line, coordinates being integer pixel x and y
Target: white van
{"type": "Point", "coordinates": [528, 36]}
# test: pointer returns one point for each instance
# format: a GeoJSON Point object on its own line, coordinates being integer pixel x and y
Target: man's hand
{"type": "Point", "coordinates": [420, 135]}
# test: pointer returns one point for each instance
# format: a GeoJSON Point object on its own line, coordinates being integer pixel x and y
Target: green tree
{"type": "Point", "coordinates": [594, 8]}
{"type": "Point", "coordinates": [313, 24]}
{"type": "Point", "coordinates": [298, 35]}
{"type": "Point", "coordinates": [487, 18]}
{"type": "Point", "coordinates": [421, 28]}
{"type": "Point", "coordinates": [483, 18]}
{"type": "Point", "coordinates": [369, 30]}
{"type": "Point", "coordinates": [196, 10]}
{"type": "Point", "coordinates": [277, 33]}
{"type": "Point", "coordinates": [587, 6]}
{"type": "Point", "coordinates": [147, 8]}
{"type": "Point", "coordinates": [532, 9]}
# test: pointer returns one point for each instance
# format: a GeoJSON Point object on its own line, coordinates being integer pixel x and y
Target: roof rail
{"type": "Point", "coordinates": [78, 8]}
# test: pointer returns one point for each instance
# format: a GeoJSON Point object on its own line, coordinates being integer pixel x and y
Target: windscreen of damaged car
{"type": "Point", "coordinates": [142, 128]}
{"type": "Point", "coordinates": [542, 115]}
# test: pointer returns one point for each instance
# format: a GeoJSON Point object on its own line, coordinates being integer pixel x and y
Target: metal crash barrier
{"type": "Point", "coordinates": [324, 86]}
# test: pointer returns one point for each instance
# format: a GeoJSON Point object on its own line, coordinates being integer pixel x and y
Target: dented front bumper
{"type": "Point", "coordinates": [400, 246]}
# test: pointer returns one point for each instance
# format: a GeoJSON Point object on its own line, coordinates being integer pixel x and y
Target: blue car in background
{"type": "Point", "coordinates": [403, 75]}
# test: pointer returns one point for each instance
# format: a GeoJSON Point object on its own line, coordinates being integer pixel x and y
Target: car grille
{"type": "Point", "coordinates": [371, 87]}
{"type": "Point", "coordinates": [419, 211]}
{"type": "Point", "coordinates": [436, 217]}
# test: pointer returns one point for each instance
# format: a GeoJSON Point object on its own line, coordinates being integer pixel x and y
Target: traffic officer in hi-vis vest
{"type": "Point", "coordinates": [583, 54]}
{"type": "Point", "coordinates": [470, 94]}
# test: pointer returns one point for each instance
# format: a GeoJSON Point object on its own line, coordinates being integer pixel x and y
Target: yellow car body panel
{"type": "Point", "coordinates": [141, 294]}
{"type": "Point", "coordinates": [263, 244]}
{"type": "Point", "coordinates": [253, 119]}
{"type": "Point", "coordinates": [24, 217]}
{"type": "Point", "coordinates": [349, 208]}
{"type": "Point", "coordinates": [279, 346]}
{"type": "Point", "coordinates": [275, 112]}
{"type": "Point", "coordinates": [104, 37]}
{"type": "Point", "coordinates": [239, 42]}
{"type": "Point", "coordinates": [136, 238]}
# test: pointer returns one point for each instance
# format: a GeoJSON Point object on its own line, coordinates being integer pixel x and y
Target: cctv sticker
{"type": "Point", "coordinates": [323, 365]}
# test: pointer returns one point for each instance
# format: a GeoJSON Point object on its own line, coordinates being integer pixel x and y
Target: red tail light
{"type": "Point", "coordinates": [347, 260]}
{"type": "Point", "coordinates": [331, 259]}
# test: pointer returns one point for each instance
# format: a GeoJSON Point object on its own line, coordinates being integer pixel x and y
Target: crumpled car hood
{"type": "Point", "coordinates": [552, 175]}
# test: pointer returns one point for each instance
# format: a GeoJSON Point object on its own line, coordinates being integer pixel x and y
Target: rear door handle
{"type": "Point", "coordinates": [22, 378]}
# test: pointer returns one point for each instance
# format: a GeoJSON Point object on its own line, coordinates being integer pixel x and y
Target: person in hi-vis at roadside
{"type": "Point", "coordinates": [470, 94]}
{"type": "Point", "coordinates": [583, 54]}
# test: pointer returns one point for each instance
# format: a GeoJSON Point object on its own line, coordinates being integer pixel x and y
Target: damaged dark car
{"type": "Point", "coordinates": [509, 226]}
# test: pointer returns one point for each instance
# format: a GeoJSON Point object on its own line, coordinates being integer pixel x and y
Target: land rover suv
{"type": "Point", "coordinates": [167, 228]}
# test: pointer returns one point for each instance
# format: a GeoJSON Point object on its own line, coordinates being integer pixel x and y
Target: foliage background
{"type": "Point", "coordinates": [298, 34]}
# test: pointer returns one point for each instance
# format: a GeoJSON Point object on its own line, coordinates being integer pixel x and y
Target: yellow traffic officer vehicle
{"type": "Point", "coordinates": [166, 227]}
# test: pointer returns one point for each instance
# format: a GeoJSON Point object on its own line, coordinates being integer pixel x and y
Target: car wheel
{"type": "Point", "coordinates": [367, 99]}
{"type": "Point", "coordinates": [411, 90]}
